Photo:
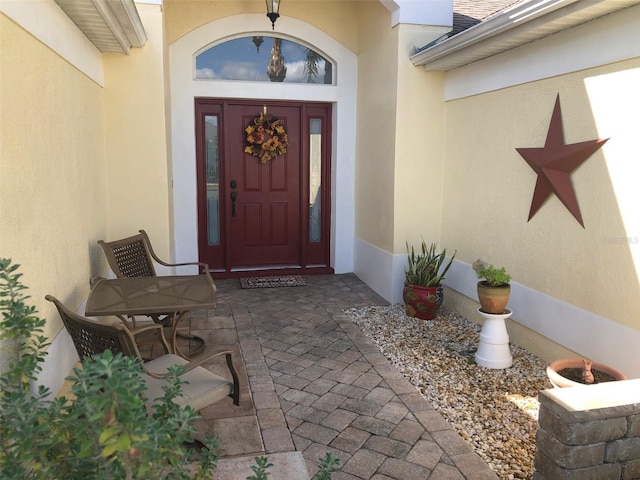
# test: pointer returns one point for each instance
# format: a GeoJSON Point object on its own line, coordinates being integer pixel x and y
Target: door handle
{"type": "Point", "coordinates": [234, 196]}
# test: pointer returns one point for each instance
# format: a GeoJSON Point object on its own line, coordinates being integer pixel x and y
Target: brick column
{"type": "Point", "coordinates": [589, 432]}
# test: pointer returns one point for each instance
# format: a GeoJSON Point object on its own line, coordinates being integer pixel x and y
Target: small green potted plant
{"type": "Point", "coordinates": [423, 292]}
{"type": "Point", "coordinates": [494, 290]}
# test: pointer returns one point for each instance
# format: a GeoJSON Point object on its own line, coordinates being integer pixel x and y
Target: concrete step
{"type": "Point", "coordinates": [286, 465]}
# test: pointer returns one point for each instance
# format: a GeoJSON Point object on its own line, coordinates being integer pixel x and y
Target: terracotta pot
{"type": "Point", "coordinates": [558, 381]}
{"type": "Point", "coordinates": [422, 302]}
{"type": "Point", "coordinates": [493, 299]}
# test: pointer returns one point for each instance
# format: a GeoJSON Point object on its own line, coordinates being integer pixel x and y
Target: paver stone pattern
{"type": "Point", "coordinates": [319, 385]}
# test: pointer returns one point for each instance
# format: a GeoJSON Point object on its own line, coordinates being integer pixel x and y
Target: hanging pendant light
{"type": "Point", "coordinates": [273, 7]}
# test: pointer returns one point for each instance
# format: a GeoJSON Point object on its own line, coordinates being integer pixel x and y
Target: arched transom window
{"type": "Point", "coordinates": [264, 59]}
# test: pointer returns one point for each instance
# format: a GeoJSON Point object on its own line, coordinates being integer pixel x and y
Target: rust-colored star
{"type": "Point", "coordinates": [554, 163]}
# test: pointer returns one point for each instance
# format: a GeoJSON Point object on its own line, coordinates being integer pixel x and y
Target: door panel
{"type": "Point", "coordinates": [266, 229]}
{"type": "Point", "coordinates": [263, 208]}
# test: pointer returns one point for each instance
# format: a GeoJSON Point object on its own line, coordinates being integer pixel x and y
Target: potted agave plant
{"type": "Point", "coordinates": [422, 292]}
{"type": "Point", "coordinates": [494, 290]}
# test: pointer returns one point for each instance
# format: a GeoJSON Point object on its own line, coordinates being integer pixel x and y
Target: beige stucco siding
{"type": "Point", "coordinates": [136, 138]}
{"type": "Point", "coordinates": [399, 162]}
{"type": "Point", "coordinates": [488, 188]}
{"type": "Point", "coordinates": [338, 18]}
{"type": "Point", "coordinates": [52, 171]}
{"type": "Point", "coordinates": [375, 141]}
{"type": "Point", "coordinates": [419, 138]}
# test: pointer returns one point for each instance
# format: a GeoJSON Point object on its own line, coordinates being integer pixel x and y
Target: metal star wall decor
{"type": "Point", "coordinates": [554, 164]}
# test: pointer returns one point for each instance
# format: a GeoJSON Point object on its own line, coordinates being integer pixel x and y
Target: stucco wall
{"type": "Point", "coordinates": [83, 156]}
{"type": "Point", "coordinates": [398, 187]}
{"type": "Point", "coordinates": [375, 140]}
{"type": "Point", "coordinates": [52, 171]}
{"type": "Point", "coordinates": [488, 188]}
{"type": "Point", "coordinates": [136, 138]}
{"type": "Point", "coordinates": [399, 147]}
{"type": "Point", "coordinates": [337, 18]}
{"type": "Point", "coordinates": [419, 137]}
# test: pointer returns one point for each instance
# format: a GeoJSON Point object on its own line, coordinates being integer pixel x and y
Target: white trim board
{"type": "Point", "coordinates": [372, 265]}
{"type": "Point", "coordinates": [437, 12]}
{"type": "Point", "coordinates": [586, 333]}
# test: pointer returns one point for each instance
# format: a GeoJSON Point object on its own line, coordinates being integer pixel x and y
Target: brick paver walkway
{"type": "Point", "coordinates": [319, 385]}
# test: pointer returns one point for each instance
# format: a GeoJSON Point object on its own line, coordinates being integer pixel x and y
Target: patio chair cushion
{"type": "Point", "coordinates": [203, 387]}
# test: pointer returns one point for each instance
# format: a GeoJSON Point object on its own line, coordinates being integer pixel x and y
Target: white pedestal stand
{"type": "Point", "coordinates": [493, 351]}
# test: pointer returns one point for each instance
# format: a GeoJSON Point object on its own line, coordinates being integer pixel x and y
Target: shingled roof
{"type": "Point", "coordinates": [467, 13]}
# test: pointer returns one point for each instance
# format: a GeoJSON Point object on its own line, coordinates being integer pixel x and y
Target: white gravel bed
{"type": "Point", "coordinates": [495, 411]}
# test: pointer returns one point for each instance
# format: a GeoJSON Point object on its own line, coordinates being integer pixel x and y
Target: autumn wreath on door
{"type": "Point", "coordinates": [266, 138]}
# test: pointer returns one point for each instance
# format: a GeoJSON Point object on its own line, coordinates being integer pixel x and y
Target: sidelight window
{"type": "Point", "coordinates": [213, 187]}
{"type": "Point", "coordinates": [315, 179]}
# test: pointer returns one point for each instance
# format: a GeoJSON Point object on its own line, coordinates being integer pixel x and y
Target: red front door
{"type": "Point", "coordinates": [258, 216]}
{"type": "Point", "coordinates": [265, 223]}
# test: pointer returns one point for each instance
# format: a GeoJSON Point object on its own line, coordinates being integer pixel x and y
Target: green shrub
{"type": "Point", "coordinates": [103, 430]}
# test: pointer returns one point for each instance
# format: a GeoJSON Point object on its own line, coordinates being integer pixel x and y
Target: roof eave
{"type": "Point", "coordinates": [113, 26]}
{"type": "Point", "coordinates": [517, 25]}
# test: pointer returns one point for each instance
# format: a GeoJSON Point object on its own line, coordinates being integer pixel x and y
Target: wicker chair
{"type": "Point", "coordinates": [203, 387]}
{"type": "Point", "coordinates": [134, 257]}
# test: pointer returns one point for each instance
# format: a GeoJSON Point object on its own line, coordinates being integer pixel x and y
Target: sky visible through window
{"type": "Point", "coordinates": [240, 59]}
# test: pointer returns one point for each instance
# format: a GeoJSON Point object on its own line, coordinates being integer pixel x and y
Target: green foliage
{"type": "Point", "coordinates": [104, 429]}
{"type": "Point", "coordinates": [424, 267]}
{"type": "Point", "coordinates": [496, 277]}
{"type": "Point", "coordinates": [260, 469]}
{"type": "Point", "coordinates": [328, 465]}
{"type": "Point", "coordinates": [21, 331]}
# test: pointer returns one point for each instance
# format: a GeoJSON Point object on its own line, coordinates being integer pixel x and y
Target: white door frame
{"type": "Point", "coordinates": [184, 220]}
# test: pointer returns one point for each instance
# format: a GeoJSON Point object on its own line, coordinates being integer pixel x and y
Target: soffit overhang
{"type": "Point", "coordinates": [113, 26]}
{"type": "Point", "coordinates": [523, 23]}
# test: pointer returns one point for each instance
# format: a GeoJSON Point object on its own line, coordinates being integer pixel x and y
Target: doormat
{"type": "Point", "coordinates": [271, 282]}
